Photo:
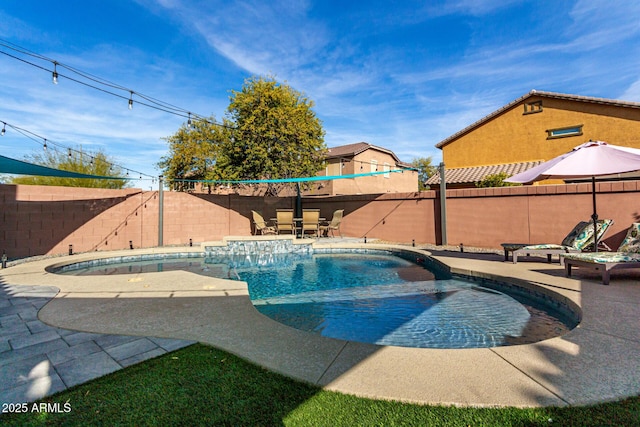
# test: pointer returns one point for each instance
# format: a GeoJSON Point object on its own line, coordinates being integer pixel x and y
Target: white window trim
{"type": "Point", "coordinates": [564, 132]}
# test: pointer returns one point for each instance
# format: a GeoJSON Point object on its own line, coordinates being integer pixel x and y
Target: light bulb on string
{"type": "Point", "coordinates": [131, 101]}
{"type": "Point", "coordinates": [54, 75]}
{"type": "Point", "coordinates": [45, 145]}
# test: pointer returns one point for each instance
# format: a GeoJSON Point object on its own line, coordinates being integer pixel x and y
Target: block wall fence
{"type": "Point", "coordinates": [38, 220]}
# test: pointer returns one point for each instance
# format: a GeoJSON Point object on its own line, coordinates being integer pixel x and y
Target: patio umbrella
{"type": "Point", "coordinates": [588, 160]}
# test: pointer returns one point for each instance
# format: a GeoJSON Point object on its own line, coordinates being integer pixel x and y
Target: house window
{"type": "Point", "coordinates": [533, 107]}
{"type": "Point", "coordinates": [564, 132]}
{"type": "Point", "coordinates": [374, 166]}
{"type": "Point", "coordinates": [386, 168]}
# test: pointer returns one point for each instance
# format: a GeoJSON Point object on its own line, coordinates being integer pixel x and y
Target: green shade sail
{"type": "Point", "coordinates": [18, 167]}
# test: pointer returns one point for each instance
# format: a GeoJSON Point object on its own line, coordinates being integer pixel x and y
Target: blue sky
{"type": "Point", "coordinates": [399, 74]}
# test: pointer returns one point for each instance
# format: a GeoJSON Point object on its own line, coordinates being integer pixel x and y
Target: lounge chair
{"type": "Point", "coordinates": [261, 225]}
{"type": "Point", "coordinates": [578, 240]}
{"type": "Point", "coordinates": [310, 222]}
{"type": "Point", "coordinates": [284, 221]}
{"type": "Point", "coordinates": [333, 225]}
{"type": "Point", "coordinates": [627, 256]}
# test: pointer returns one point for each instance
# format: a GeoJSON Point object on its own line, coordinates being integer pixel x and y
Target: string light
{"type": "Point", "coordinates": [103, 85]}
{"type": "Point", "coordinates": [54, 75]}
{"type": "Point", "coordinates": [47, 142]}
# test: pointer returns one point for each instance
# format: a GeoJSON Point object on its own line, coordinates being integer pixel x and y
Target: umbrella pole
{"type": "Point", "coordinates": [595, 214]}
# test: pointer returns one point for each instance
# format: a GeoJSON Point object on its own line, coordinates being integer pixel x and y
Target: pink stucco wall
{"type": "Point", "coordinates": [537, 214]}
{"type": "Point", "coordinates": [46, 220]}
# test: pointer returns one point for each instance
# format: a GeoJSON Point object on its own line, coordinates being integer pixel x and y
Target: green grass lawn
{"type": "Point", "coordinates": [200, 385]}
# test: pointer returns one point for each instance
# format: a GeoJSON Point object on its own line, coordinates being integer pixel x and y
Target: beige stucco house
{"type": "Point", "coordinates": [390, 175]}
{"type": "Point", "coordinates": [393, 175]}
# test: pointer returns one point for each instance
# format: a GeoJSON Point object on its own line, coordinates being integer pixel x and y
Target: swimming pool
{"type": "Point", "coordinates": [375, 297]}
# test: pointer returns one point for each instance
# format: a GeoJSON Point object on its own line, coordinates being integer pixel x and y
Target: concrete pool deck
{"type": "Point", "coordinates": [598, 361]}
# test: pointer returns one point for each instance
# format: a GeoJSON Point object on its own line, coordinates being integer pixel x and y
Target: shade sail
{"type": "Point", "coordinates": [292, 180]}
{"type": "Point", "coordinates": [18, 167]}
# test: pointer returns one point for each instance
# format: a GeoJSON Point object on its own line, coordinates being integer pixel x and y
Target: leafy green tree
{"type": "Point", "coordinates": [495, 180]}
{"type": "Point", "coordinates": [270, 131]}
{"type": "Point", "coordinates": [425, 170]}
{"type": "Point", "coordinates": [277, 134]}
{"type": "Point", "coordinates": [75, 161]}
{"type": "Point", "coordinates": [192, 151]}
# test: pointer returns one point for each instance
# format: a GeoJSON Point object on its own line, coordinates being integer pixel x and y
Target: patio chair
{"type": "Point", "coordinates": [627, 256]}
{"type": "Point", "coordinates": [334, 224]}
{"type": "Point", "coordinates": [284, 221]}
{"type": "Point", "coordinates": [310, 222]}
{"type": "Point", "coordinates": [260, 224]}
{"type": "Point", "coordinates": [578, 240]}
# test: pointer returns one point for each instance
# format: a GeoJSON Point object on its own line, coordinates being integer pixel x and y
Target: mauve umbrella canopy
{"type": "Point", "coordinates": [593, 158]}
{"type": "Point", "coordinates": [589, 160]}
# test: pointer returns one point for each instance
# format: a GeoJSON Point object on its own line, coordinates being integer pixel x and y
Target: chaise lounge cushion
{"type": "Point", "coordinates": [631, 242]}
{"type": "Point", "coordinates": [628, 251]}
{"type": "Point", "coordinates": [579, 239]}
{"type": "Point", "coordinates": [627, 256]}
{"type": "Point", "coordinates": [604, 257]}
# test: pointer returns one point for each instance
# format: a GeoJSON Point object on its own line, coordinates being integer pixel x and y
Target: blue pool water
{"type": "Point", "coordinates": [377, 298]}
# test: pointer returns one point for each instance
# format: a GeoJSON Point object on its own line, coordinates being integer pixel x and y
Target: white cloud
{"type": "Point", "coordinates": [632, 93]}
{"type": "Point", "coordinates": [471, 7]}
{"type": "Point", "coordinates": [598, 23]}
{"type": "Point", "coordinates": [261, 38]}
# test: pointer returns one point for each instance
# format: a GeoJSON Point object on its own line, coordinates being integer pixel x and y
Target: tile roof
{"type": "Point", "coordinates": [477, 173]}
{"type": "Point", "coordinates": [355, 149]}
{"type": "Point", "coordinates": [537, 93]}
{"type": "Point", "coordinates": [348, 150]}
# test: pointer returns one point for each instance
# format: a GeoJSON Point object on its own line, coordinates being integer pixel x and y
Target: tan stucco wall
{"type": "Point", "coordinates": [514, 137]}
{"type": "Point", "coordinates": [365, 162]}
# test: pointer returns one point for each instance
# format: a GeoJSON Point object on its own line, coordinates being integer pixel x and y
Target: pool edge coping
{"type": "Point", "coordinates": [462, 402]}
